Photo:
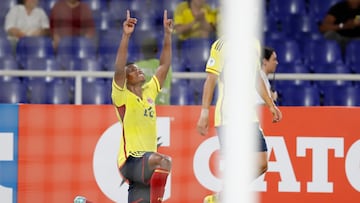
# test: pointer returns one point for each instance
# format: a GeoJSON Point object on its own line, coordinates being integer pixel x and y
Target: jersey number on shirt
{"type": "Point", "coordinates": [149, 112]}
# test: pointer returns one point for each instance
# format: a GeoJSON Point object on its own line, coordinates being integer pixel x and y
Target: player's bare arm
{"type": "Point", "coordinates": [165, 57]}
{"type": "Point", "coordinates": [261, 88]}
{"type": "Point", "coordinates": [121, 57]}
{"type": "Point", "coordinates": [209, 87]}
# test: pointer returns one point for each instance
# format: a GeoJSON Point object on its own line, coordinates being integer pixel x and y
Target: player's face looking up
{"type": "Point", "coordinates": [134, 75]}
{"type": "Point", "coordinates": [271, 64]}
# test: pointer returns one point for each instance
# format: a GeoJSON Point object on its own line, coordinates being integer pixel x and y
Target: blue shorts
{"type": "Point", "coordinates": [260, 140]}
{"type": "Point", "coordinates": [136, 171]}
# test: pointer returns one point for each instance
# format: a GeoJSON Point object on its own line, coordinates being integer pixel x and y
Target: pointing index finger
{"type": "Point", "coordinates": [165, 15]}
{"type": "Point", "coordinates": [127, 14]}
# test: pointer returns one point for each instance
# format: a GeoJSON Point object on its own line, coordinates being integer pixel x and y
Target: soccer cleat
{"type": "Point", "coordinates": [211, 199]}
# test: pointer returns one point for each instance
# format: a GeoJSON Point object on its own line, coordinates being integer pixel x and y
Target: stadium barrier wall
{"type": "Point", "coordinates": [53, 153]}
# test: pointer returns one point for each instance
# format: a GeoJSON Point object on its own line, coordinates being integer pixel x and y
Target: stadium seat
{"type": "Point", "coordinates": [104, 21]}
{"type": "Point", "coordinates": [330, 52]}
{"type": "Point", "coordinates": [291, 68]}
{"type": "Point", "coordinates": [300, 96]}
{"type": "Point", "coordinates": [195, 53]}
{"type": "Point", "coordinates": [13, 92]}
{"type": "Point", "coordinates": [271, 37]}
{"type": "Point", "coordinates": [86, 65]}
{"type": "Point", "coordinates": [342, 96]}
{"type": "Point", "coordinates": [287, 51]}
{"type": "Point", "coordinates": [34, 47]}
{"type": "Point", "coordinates": [170, 6]}
{"type": "Point", "coordinates": [270, 24]}
{"type": "Point", "coordinates": [300, 26]}
{"type": "Point", "coordinates": [96, 93]}
{"type": "Point", "coordinates": [197, 86]}
{"type": "Point", "coordinates": [5, 48]}
{"type": "Point", "coordinates": [59, 92]}
{"type": "Point", "coordinates": [282, 8]}
{"type": "Point", "coordinates": [180, 94]}
{"type": "Point", "coordinates": [5, 5]}
{"type": "Point", "coordinates": [47, 5]}
{"type": "Point", "coordinates": [97, 5]}
{"type": "Point", "coordinates": [38, 90]}
{"type": "Point", "coordinates": [43, 64]}
{"type": "Point", "coordinates": [8, 63]}
{"type": "Point", "coordinates": [75, 48]}
{"type": "Point", "coordinates": [118, 9]}
{"type": "Point", "coordinates": [352, 53]}
{"type": "Point", "coordinates": [332, 69]}
{"type": "Point", "coordinates": [319, 8]}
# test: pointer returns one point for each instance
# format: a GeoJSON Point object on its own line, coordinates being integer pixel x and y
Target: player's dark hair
{"type": "Point", "coordinates": [129, 63]}
{"type": "Point", "coordinates": [267, 52]}
{"type": "Point", "coordinates": [20, 2]}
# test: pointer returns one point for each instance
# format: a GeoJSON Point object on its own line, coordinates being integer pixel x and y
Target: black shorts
{"type": "Point", "coordinates": [136, 170]}
{"type": "Point", "coordinates": [260, 140]}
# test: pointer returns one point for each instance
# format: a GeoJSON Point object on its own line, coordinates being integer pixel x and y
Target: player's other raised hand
{"type": "Point", "coordinates": [129, 24]}
{"type": "Point", "coordinates": [168, 24]}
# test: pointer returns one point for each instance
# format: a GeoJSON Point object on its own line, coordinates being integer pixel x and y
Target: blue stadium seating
{"type": "Point", "coordinates": [5, 5]}
{"type": "Point", "coordinates": [300, 96]}
{"type": "Point", "coordinates": [300, 26]}
{"type": "Point", "coordinates": [270, 24]}
{"type": "Point", "coordinates": [47, 5]}
{"type": "Point", "coordinates": [180, 94]}
{"type": "Point", "coordinates": [319, 8]}
{"type": "Point", "coordinates": [330, 52]}
{"type": "Point", "coordinates": [96, 92]}
{"type": "Point", "coordinates": [87, 65]}
{"type": "Point", "coordinates": [12, 92]}
{"type": "Point", "coordinates": [34, 47]}
{"type": "Point", "coordinates": [195, 53]}
{"type": "Point", "coordinates": [281, 8]}
{"type": "Point", "coordinates": [8, 63]}
{"type": "Point", "coordinates": [59, 92]}
{"type": "Point", "coordinates": [104, 21]}
{"type": "Point", "coordinates": [97, 6]}
{"type": "Point", "coordinates": [5, 48]}
{"type": "Point", "coordinates": [332, 69]}
{"type": "Point", "coordinates": [118, 9]}
{"type": "Point", "coordinates": [291, 68]}
{"type": "Point", "coordinates": [43, 64]}
{"type": "Point", "coordinates": [75, 48]}
{"type": "Point", "coordinates": [342, 96]}
{"type": "Point", "coordinates": [38, 90]}
{"type": "Point", "coordinates": [287, 51]}
{"type": "Point", "coordinates": [352, 53]}
{"type": "Point", "coordinates": [170, 6]}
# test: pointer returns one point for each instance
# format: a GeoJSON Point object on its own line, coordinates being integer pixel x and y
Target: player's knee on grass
{"type": "Point", "coordinates": [157, 160]}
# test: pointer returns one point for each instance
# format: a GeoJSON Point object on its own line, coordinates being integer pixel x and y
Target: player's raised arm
{"type": "Point", "coordinates": [121, 57]}
{"type": "Point", "coordinates": [165, 57]}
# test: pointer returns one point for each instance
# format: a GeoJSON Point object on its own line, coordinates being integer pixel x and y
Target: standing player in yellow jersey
{"type": "Point", "coordinates": [214, 68]}
{"type": "Point", "coordinates": [134, 101]}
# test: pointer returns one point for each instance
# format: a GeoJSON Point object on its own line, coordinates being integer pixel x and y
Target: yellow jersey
{"type": "Point", "coordinates": [183, 15]}
{"type": "Point", "coordinates": [215, 65]}
{"type": "Point", "coordinates": [138, 118]}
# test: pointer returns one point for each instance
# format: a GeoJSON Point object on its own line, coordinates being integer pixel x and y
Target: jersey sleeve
{"type": "Point", "coordinates": [152, 87]}
{"type": "Point", "coordinates": [118, 94]}
{"type": "Point", "coordinates": [215, 62]}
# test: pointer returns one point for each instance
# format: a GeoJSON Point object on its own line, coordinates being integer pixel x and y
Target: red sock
{"type": "Point", "coordinates": [157, 185]}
